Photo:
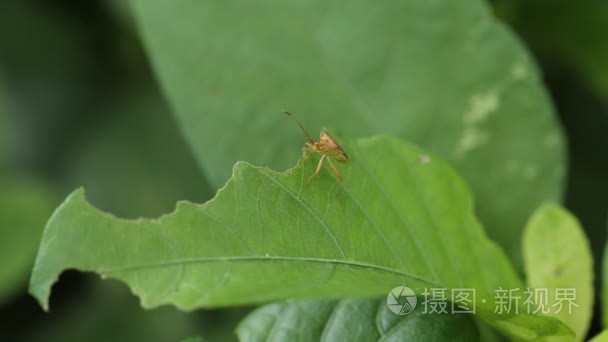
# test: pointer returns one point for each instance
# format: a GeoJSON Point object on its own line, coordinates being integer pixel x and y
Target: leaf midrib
{"type": "Point", "coordinates": [197, 260]}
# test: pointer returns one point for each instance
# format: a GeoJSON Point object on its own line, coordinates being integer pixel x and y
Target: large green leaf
{"type": "Point", "coordinates": [403, 216]}
{"type": "Point", "coordinates": [443, 74]}
{"type": "Point", "coordinates": [557, 255]}
{"type": "Point", "coordinates": [351, 320]}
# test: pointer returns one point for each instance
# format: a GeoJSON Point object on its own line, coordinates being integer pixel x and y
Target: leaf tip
{"type": "Point", "coordinates": [40, 293]}
{"type": "Point", "coordinates": [41, 280]}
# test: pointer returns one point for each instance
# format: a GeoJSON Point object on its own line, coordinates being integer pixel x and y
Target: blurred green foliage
{"type": "Point", "coordinates": [79, 107]}
{"type": "Point", "coordinates": [565, 34]}
{"type": "Point", "coordinates": [74, 87]}
{"type": "Point", "coordinates": [25, 206]}
{"type": "Point", "coordinates": [135, 163]}
{"type": "Point", "coordinates": [568, 38]}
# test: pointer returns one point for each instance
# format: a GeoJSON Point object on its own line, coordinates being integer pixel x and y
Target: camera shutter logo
{"type": "Point", "coordinates": [401, 300]}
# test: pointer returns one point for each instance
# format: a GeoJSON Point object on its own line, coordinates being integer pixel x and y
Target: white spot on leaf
{"type": "Point", "coordinates": [480, 107]}
{"type": "Point", "coordinates": [471, 139]}
{"type": "Point", "coordinates": [529, 172]}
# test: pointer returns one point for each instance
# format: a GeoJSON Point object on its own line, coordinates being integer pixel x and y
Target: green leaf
{"type": "Point", "coordinates": [557, 255]}
{"type": "Point", "coordinates": [351, 320]}
{"type": "Point", "coordinates": [402, 216]}
{"type": "Point", "coordinates": [443, 74]}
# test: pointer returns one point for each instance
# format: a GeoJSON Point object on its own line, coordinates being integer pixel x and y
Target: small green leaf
{"type": "Point", "coordinates": [402, 217]}
{"type": "Point", "coordinates": [557, 255]}
{"type": "Point", "coordinates": [351, 320]}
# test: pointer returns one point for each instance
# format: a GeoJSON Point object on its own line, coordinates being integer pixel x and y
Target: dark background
{"type": "Point", "coordinates": [85, 110]}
